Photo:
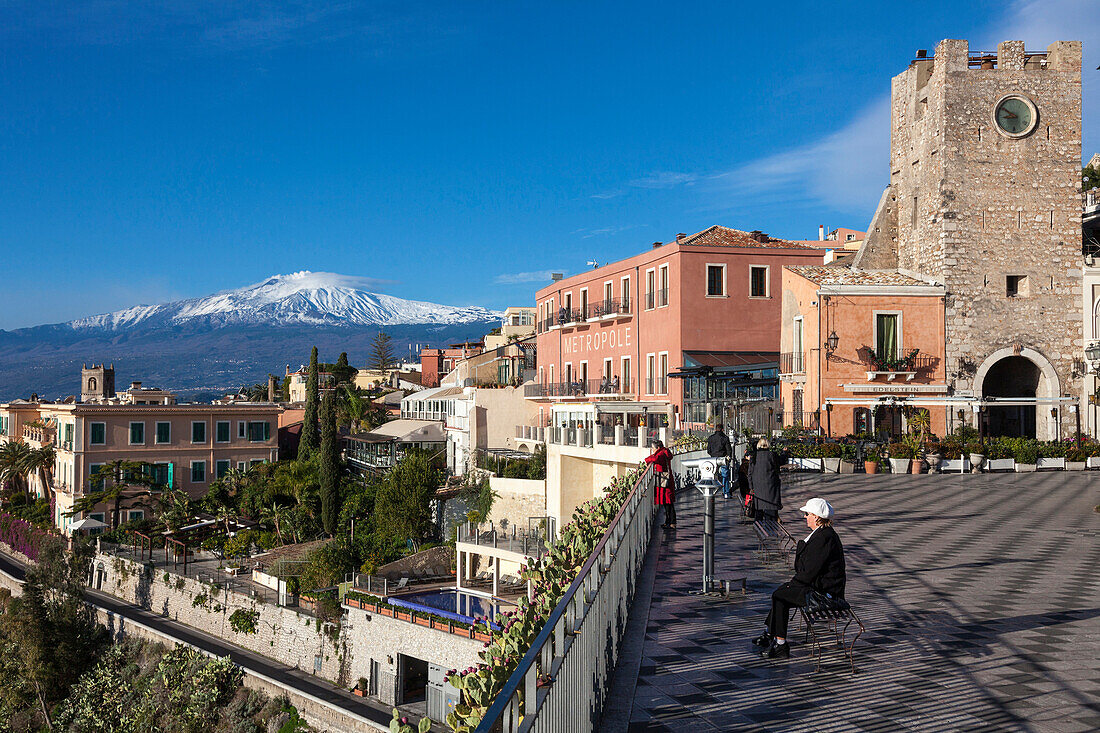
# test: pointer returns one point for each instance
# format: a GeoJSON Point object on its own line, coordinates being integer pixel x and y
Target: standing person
{"type": "Point", "coordinates": [718, 446]}
{"type": "Point", "coordinates": [764, 480]}
{"type": "Point", "coordinates": [665, 492]}
{"type": "Point", "coordinates": [818, 565]}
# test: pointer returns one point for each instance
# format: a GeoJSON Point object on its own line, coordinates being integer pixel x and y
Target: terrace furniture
{"type": "Point", "coordinates": [774, 541]}
{"type": "Point", "coordinates": [401, 583]}
{"type": "Point", "coordinates": [826, 614]}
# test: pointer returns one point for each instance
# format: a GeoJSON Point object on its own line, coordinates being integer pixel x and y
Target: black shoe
{"type": "Point", "coordinates": [763, 641]}
{"type": "Point", "coordinates": [777, 651]}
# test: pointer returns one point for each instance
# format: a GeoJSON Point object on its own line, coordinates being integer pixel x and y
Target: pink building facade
{"type": "Point", "coordinates": [617, 332]}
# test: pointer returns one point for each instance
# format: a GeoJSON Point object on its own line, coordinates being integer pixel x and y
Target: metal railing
{"type": "Point", "coordinates": [662, 297]}
{"type": "Point", "coordinates": [580, 388]}
{"type": "Point", "coordinates": [562, 681]}
{"type": "Point", "coordinates": [920, 363]}
{"type": "Point", "coordinates": [367, 583]}
{"type": "Point", "coordinates": [613, 307]}
{"type": "Point", "coordinates": [792, 362]}
{"type": "Point", "coordinates": [656, 385]}
{"type": "Point", "coordinates": [531, 542]}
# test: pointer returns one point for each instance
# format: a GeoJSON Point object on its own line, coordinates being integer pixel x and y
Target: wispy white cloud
{"type": "Point", "coordinates": [604, 231]}
{"type": "Point", "coordinates": [519, 278]}
{"type": "Point", "coordinates": [607, 195]}
{"type": "Point", "coordinates": [847, 169]}
{"type": "Point", "coordinates": [664, 179]}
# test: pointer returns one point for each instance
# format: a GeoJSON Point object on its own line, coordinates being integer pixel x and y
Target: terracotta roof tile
{"type": "Point", "coordinates": [824, 275]}
{"type": "Point", "coordinates": [720, 236]}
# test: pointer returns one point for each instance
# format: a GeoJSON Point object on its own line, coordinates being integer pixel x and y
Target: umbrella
{"type": "Point", "coordinates": [86, 523]}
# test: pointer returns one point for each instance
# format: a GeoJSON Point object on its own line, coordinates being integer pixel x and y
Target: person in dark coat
{"type": "Point", "coordinates": [818, 565]}
{"type": "Point", "coordinates": [665, 492]}
{"type": "Point", "coordinates": [718, 446]}
{"type": "Point", "coordinates": [764, 480]}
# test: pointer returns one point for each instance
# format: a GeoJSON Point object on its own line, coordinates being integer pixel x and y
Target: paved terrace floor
{"type": "Point", "coordinates": [981, 597]}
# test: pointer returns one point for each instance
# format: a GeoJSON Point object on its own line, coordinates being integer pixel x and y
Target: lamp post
{"type": "Point", "coordinates": [828, 419]}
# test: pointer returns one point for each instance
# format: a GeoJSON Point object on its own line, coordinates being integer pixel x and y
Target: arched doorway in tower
{"type": "Point", "coordinates": [1012, 376]}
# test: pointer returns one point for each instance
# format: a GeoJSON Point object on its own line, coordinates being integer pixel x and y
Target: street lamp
{"type": "Point", "coordinates": [1092, 353]}
{"type": "Point", "coordinates": [832, 341]}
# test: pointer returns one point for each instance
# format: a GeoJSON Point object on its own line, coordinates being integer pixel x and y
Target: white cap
{"type": "Point", "coordinates": [818, 507]}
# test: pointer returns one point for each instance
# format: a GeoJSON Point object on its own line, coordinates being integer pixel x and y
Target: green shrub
{"type": "Point", "coordinates": [901, 451]}
{"type": "Point", "coordinates": [244, 622]}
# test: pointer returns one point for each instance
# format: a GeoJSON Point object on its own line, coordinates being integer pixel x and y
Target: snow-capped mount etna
{"type": "Point", "coordinates": [235, 337]}
{"type": "Point", "coordinates": [300, 298]}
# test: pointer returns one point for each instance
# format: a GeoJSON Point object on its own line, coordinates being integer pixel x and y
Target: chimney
{"type": "Point", "coordinates": [680, 236]}
{"type": "Point", "coordinates": [656, 245]}
{"type": "Point", "coordinates": [556, 276]}
{"type": "Point", "coordinates": [135, 385]}
{"type": "Point", "coordinates": [758, 236]}
{"type": "Point", "coordinates": [270, 387]}
{"type": "Point", "coordinates": [821, 232]}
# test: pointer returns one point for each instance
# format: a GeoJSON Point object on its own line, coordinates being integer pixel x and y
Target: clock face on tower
{"type": "Point", "coordinates": [1015, 116]}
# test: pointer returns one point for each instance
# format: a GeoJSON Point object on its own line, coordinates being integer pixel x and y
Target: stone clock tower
{"type": "Point", "coordinates": [984, 198]}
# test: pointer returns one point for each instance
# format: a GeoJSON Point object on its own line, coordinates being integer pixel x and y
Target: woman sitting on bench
{"type": "Point", "coordinates": [818, 565]}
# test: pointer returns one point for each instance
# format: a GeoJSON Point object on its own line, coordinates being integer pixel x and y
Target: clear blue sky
{"type": "Point", "coordinates": [456, 151]}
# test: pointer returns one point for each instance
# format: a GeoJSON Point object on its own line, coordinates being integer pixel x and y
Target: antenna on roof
{"type": "Point", "coordinates": [593, 264]}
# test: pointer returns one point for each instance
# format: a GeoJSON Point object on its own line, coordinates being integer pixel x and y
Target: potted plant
{"type": "Point", "coordinates": [901, 456]}
{"type": "Point", "coordinates": [830, 454]}
{"type": "Point", "coordinates": [360, 688]}
{"type": "Point", "coordinates": [871, 460]}
{"type": "Point", "coordinates": [1027, 456]}
{"type": "Point", "coordinates": [847, 458]}
{"type": "Point", "coordinates": [932, 453]}
{"type": "Point", "coordinates": [1000, 455]}
{"type": "Point", "coordinates": [1076, 459]}
{"type": "Point", "coordinates": [952, 459]}
{"type": "Point", "coordinates": [1051, 456]}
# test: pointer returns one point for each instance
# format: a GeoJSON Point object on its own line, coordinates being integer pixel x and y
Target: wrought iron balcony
{"type": "Point", "coordinates": [792, 362]}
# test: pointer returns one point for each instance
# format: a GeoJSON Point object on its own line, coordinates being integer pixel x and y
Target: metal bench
{"type": "Point", "coordinates": [828, 615]}
{"type": "Point", "coordinates": [774, 541]}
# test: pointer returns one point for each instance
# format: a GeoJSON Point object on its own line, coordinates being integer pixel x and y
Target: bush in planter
{"type": "Point", "coordinates": [830, 450]}
{"type": "Point", "coordinates": [1027, 452]}
{"type": "Point", "coordinates": [998, 449]}
{"type": "Point", "coordinates": [1077, 455]}
{"type": "Point", "coordinates": [902, 451]}
{"type": "Point", "coordinates": [1052, 450]}
{"type": "Point", "coordinates": [951, 449]}
{"type": "Point", "coordinates": [848, 452]}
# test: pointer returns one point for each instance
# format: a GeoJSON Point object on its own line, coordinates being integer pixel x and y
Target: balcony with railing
{"type": "Point", "coordinates": [662, 297]}
{"type": "Point", "coordinates": [606, 310]}
{"type": "Point", "coordinates": [580, 389]}
{"type": "Point", "coordinates": [656, 385]}
{"type": "Point", "coordinates": [791, 363]}
{"type": "Point", "coordinates": [907, 367]}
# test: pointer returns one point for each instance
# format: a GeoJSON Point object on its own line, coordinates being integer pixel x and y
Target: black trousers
{"type": "Point", "coordinates": [785, 597]}
{"type": "Point", "coordinates": [670, 513]}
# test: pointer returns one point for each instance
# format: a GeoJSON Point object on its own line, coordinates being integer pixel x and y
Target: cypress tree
{"type": "Point", "coordinates": [307, 444]}
{"type": "Point", "coordinates": [330, 465]}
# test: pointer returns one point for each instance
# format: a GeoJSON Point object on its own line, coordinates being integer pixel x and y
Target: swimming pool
{"type": "Point", "coordinates": [453, 604]}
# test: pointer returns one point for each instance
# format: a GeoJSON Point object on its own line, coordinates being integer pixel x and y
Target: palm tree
{"type": "Point", "coordinates": [13, 461]}
{"type": "Point", "coordinates": [175, 509]}
{"type": "Point", "coordinates": [351, 406]}
{"type": "Point", "coordinates": [39, 461]}
{"type": "Point", "coordinates": [277, 515]}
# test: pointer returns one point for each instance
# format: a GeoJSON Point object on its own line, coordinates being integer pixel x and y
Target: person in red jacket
{"type": "Point", "coordinates": [665, 492]}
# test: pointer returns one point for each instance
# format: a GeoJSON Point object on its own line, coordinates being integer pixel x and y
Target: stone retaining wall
{"type": "Point", "coordinates": [282, 634]}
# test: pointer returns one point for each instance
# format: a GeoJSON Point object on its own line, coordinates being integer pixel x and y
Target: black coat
{"type": "Point", "coordinates": [819, 563]}
{"type": "Point", "coordinates": [764, 480]}
{"type": "Point", "coordinates": [718, 445]}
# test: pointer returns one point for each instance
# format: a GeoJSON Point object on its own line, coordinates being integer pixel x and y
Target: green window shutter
{"type": "Point", "coordinates": [164, 432]}
{"type": "Point", "coordinates": [223, 431]}
{"type": "Point", "coordinates": [198, 432]}
{"type": "Point", "coordinates": [137, 433]}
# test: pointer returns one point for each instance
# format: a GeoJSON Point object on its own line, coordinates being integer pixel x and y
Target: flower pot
{"type": "Point", "coordinates": [847, 466]}
{"type": "Point", "coordinates": [933, 460]}
{"type": "Point", "coordinates": [976, 460]}
{"type": "Point", "coordinates": [870, 466]}
{"type": "Point", "coordinates": [1092, 462]}
{"type": "Point", "coordinates": [1075, 465]}
{"type": "Point", "coordinates": [832, 465]}
{"type": "Point", "coordinates": [1000, 464]}
{"type": "Point", "coordinates": [899, 465]}
{"type": "Point", "coordinates": [359, 693]}
{"type": "Point", "coordinates": [1025, 467]}
{"type": "Point", "coordinates": [954, 465]}
{"type": "Point", "coordinates": [916, 466]}
{"type": "Point", "coordinates": [1056, 464]}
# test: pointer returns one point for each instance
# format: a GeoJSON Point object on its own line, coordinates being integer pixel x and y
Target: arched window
{"type": "Point", "coordinates": [1096, 319]}
{"type": "Point", "coordinates": [91, 384]}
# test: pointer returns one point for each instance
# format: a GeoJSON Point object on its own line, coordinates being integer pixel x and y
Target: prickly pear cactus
{"type": "Point", "coordinates": [550, 576]}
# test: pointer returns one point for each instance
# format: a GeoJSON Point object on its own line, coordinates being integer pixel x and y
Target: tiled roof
{"type": "Point", "coordinates": [720, 236]}
{"type": "Point", "coordinates": [824, 275]}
